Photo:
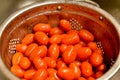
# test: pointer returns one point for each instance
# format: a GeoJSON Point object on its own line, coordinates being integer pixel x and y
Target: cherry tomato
{"type": "Point", "coordinates": [91, 78]}
{"type": "Point", "coordinates": [30, 49]}
{"type": "Point", "coordinates": [81, 78]}
{"type": "Point", "coordinates": [86, 35]}
{"type": "Point", "coordinates": [53, 72]}
{"type": "Point", "coordinates": [15, 69]}
{"type": "Point", "coordinates": [72, 32]}
{"type": "Point", "coordinates": [84, 53]}
{"type": "Point", "coordinates": [51, 78]}
{"type": "Point", "coordinates": [51, 63]}
{"type": "Point", "coordinates": [78, 63]}
{"type": "Point", "coordinates": [98, 74]}
{"type": "Point", "coordinates": [42, 27]}
{"type": "Point", "coordinates": [55, 30]}
{"type": "Point", "coordinates": [92, 46]}
{"type": "Point", "coordinates": [41, 38]}
{"type": "Point", "coordinates": [77, 46]}
{"type": "Point", "coordinates": [40, 74]}
{"type": "Point", "coordinates": [25, 63]}
{"type": "Point", "coordinates": [21, 48]}
{"type": "Point", "coordinates": [66, 73]}
{"type": "Point", "coordinates": [63, 47]}
{"type": "Point", "coordinates": [99, 51]}
{"type": "Point", "coordinates": [40, 51]}
{"type": "Point", "coordinates": [96, 59]}
{"type": "Point", "coordinates": [76, 70]}
{"type": "Point", "coordinates": [53, 51]}
{"type": "Point", "coordinates": [39, 63]}
{"type": "Point", "coordinates": [28, 39]}
{"type": "Point", "coordinates": [101, 67]}
{"type": "Point", "coordinates": [86, 69]}
{"type": "Point", "coordinates": [55, 39]}
{"type": "Point", "coordinates": [65, 25]}
{"type": "Point", "coordinates": [70, 39]}
{"type": "Point", "coordinates": [16, 58]}
{"type": "Point", "coordinates": [29, 74]}
{"type": "Point", "coordinates": [60, 64]}
{"type": "Point", "coordinates": [82, 43]}
{"type": "Point", "coordinates": [69, 55]}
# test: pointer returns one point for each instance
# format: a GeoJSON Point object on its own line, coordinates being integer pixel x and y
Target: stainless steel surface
{"type": "Point", "coordinates": [9, 6]}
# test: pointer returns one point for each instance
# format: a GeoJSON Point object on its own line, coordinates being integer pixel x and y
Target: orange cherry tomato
{"type": "Point", "coordinates": [77, 46]}
{"type": "Point", "coordinates": [96, 59]}
{"type": "Point", "coordinates": [99, 51]}
{"type": "Point", "coordinates": [63, 47]}
{"type": "Point", "coordinates": [98, 74]}
{"type": "Point", "coordinates": [51, 63]}
{"type": "Point", "coordinates": [28, 39]}
{"type": "Point", "coordinates": [84, 53]}
{"type": "Point", "coordinates": [70, 39]}
{"type": "Point", "coordinates": [51, 78]}
{"type": "Point", "coordinates": [72, 32]}
{"type": "Point", "coordinates": [92, 46]}
{"type": "Point", "coordinates": [86, 35]}
{"type": "Point", "coordinates": [30, 49]}
{"type": "Point", "coordinates": [66, 73]}
{"type": "Point", "coordinates": [41, 38]}
{"type": "Point", "coordinates": [55, 30]}
{"type": "Point", "coordinates": [78, 63]}
{"type": "Point", "coordinates": [21, 48]}
{"type": "Point", "coordinates": [83, 44]}
{"type": "Point", "coordinates": [40, 74]}
{"type": "Point", "coordinates": [17, 58]}
{"type": "Point", "coordinates": [69, 55]}
{"type": "Point", "coordinates": [53, 51]}
{"type": "Point", "coordinates": [82, 78]}
{"type": "Point", "coordinates": [15, 69]}
{"type": "Point", "coordinates": [101, 67]}
{"type": "Point", "coordinates": [39, 63]}
{"type": "Point", "coordinates": [76, 70]}
{"type": "Point", "coordinates": [55, 39]}
{"type": "Point", "coordinates": [40, 51]}
{"type": "Point", "coordinates": [86, 69]}
{"type": "Point", "coordinates": [42, 27]}
{"type": "Point", "coordinates": [60, 64]}
{"type": "Point", "coordinates": [65, 25]}
{"type": "Point", "coordinates": [25, 63]}
{"type": "Point", "coordinates": [29, 74]}
{"type": "Point", "coordinates": [91, 78]}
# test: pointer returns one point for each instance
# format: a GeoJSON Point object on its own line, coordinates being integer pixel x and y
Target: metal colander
{"type": "Point", "coordinates": [81, 15]}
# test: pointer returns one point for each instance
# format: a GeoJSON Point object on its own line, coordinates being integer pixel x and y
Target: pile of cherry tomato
{"type": "Point", "coordinates": [58, 53]}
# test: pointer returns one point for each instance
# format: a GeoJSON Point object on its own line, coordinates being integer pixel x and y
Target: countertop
{"type": "Point", "coordinates": [9, 6]}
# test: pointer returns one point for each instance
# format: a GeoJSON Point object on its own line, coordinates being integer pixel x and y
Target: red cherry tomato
{"type": "Point", "coordinates": [17, 58]}
{"type": "Point", "coordinates": [101, 67]}
{"type": "Point", "coordinates": [55, 30]}
{"type": "Point", "coordinates": [42, 27]}
{"type": "Point", "coordinates": [96, 59]}
{"type": "Point", "coordinates": [65, 25]}
{"type": "Point", "coordinates": [86, 35]}
{"type": "Point", "coordinates": [21, 48]}
{"type": "Point", "coordinates": [92, 45]}
{"type": "Point", "coordinates": [98, 74]}
{"type": "Point", "coordinates": [63, 47]}
{"type": "Point", "coordinates": [84, 53]}
{"type": "Point", "coordinates": [91, 78]}
{"type": "Point", "coordinates": [41, 38]}
{"type": "Point", "coordinates": [29, 74]}
{"type": "Point", "coordinates": [76, 70]}
{"type": "Point", "coordinates": [51, 78]}
{"type": "Point", "coordinates": [30, 49]}
{"type": "Point", "coordinates": [69, 55]}
{"type": "Point", "coordinates": [60, 64]}
{"type": "Point", "coordinates": [70, 39]}
{"type": "Point", "coordinates": [82, 78]}
{"type": "Point", "coordinates": [72, 32]}
{"type": "Point", "coordinates": [40, 74]}
{"type": "Point", "coordinates": [55, 39]}
{"type": "Point", "coordinates": [25, 63]}
{"type": "Point", "coordinates": [53, 51]}
{"type": "Point", "coordinates": [51, 63]}
{"type": "Point", "coordinates": [15, 69]}
{"type": "Point", "coordinates": [66, 73]}
{"type": "Point", "coordinates": [40, 51]}
{"type": "Point", "coordinates": [86, 69]}
{"type": "Point", "coordinates": [39, 63]}
{"type": "Point", "coordinates": [28, 39]}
